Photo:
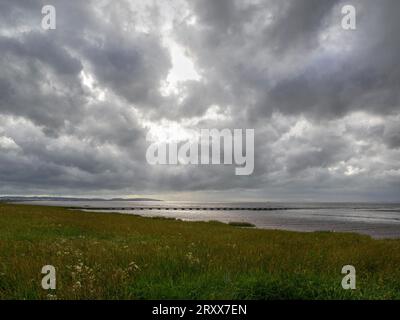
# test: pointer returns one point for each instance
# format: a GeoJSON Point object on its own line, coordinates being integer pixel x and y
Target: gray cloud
{"type": "Point", "coordinates": [76, 103]}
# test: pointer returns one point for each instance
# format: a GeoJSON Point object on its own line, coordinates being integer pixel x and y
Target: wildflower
{"type": "Point", "coordinates": [133, 266]}
{"type": "Point", "coordinates": [77, 285]}
{"type": "Point", "coordinates": [191, 258]}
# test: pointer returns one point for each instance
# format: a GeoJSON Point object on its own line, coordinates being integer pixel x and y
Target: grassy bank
{"type": "Point", "coordinates": [113, 256]}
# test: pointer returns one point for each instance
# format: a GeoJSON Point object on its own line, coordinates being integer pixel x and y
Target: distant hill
{"type": "Point", "coordinates": [19, 198]}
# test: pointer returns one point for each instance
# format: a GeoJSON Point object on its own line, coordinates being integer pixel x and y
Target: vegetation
{"type": "Point", "coordinates": [241, 224]}
{"type": "Point", "coordinates": [117, 256]}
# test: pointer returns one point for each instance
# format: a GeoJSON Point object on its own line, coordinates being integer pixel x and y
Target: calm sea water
{"type": "Point", "coordinates": [377, 220]}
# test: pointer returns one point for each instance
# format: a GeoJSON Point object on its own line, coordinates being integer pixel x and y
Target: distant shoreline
{"type": "Point", "coordinates": [23, 199]}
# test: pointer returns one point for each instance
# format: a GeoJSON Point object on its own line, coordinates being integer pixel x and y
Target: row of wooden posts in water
{"type": "Point", "coordinates": [184, 208]}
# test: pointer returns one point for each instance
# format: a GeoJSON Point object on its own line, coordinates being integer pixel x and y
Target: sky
{"type": "Point", "coordinates": [77, 102]}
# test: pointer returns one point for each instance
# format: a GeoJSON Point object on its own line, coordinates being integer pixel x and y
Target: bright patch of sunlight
{"type": "Point", "coordinates": [89, 82]}
{"type": "Point", "coordinates": [183, 68]}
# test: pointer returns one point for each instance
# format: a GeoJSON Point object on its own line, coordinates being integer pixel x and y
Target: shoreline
{"type": "Point", "coordinates": [377, 231]}
{"type": "Point", "coordinates": [297, 219]}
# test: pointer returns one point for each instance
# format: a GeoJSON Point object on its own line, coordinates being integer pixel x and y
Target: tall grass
{"type": "Point", "coordinates": [115, 256]}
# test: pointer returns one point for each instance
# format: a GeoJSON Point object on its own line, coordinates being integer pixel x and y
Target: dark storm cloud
{"type": "Point", "coordinates": [76, 102]}
{"type": "Point", "coordinates": [311, 78]}
{"type": "Point", "coordinates": [31, 46]}
{"type": "Point", "coordinates": [392, 135]}
{"type": "Point", "coordinates": [133, 67]}
{"type": "Point", "coordinates": [48, 93]}
{"type": "Point", "coordinates": [298, 24]}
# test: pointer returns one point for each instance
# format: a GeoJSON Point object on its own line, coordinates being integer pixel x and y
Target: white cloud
{"type": "Point", "coordinates": [7, 143]}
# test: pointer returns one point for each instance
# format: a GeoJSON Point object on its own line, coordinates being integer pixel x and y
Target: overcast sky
{"type": "Point", "coordinates": [77, 102]}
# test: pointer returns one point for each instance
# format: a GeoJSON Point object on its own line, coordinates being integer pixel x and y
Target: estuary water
{"type": "Point", "coordinates": [374, 219]}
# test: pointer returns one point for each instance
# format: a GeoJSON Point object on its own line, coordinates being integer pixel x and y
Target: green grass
{"type": "Point", "coordinates": [116, 256]}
